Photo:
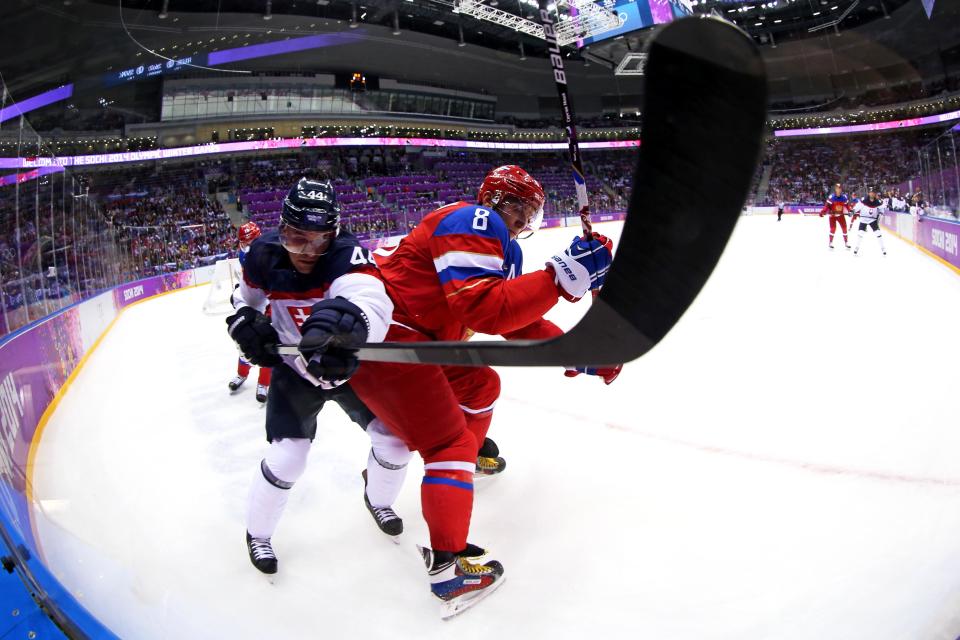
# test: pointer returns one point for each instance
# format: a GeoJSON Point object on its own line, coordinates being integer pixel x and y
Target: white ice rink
{"type": "Point", "coordinates": [786, 464]}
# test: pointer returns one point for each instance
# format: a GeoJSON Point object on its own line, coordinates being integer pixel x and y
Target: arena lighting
{"type": "Point", "coordinates": [592, 18]}
{"type": "Point", "coordinates": [213, 148]}
{"type": "Point", "coordinates": [40, 100]}
{"type": "Point", "coordinates": [20, 178]}
{"type": "Point", "coordinates": [875, 126]}
{"type": "Point", "coordinates": [283, 46]}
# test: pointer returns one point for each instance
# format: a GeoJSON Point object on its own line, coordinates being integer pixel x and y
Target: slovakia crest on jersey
{"type": "Point", "coordinates": [299, 314]}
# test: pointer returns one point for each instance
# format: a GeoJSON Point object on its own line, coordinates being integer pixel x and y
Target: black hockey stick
{"type": "Point", "coordinates": [566, 116]}
{"type": "Point", "coordinates": [704, 113]}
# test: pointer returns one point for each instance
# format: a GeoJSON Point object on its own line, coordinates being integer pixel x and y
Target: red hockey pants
{"type": "Point", "coordinates": [442, 412]}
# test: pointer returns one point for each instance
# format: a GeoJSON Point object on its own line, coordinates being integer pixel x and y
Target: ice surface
{"type": "Point", "coordinates": [786, 464]}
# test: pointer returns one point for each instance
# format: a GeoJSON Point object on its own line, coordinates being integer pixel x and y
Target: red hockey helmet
{"type": "Point", "coordinates": [247, 233]}
{"type": "Point", "coordinates": [511, 185]}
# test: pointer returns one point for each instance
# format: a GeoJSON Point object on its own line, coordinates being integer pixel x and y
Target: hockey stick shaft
{"type": "Point", "coordinates": [567, 121]}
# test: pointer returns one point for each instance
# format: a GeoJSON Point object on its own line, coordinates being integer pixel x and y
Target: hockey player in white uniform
{"type": "Point", "coordinates": [869, 210]}
{"type": "Point", "coordinates": [320, 283]}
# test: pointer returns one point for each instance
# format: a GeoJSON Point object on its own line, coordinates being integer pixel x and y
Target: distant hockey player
{"type": "Point", "coordinates": [837, 205]}
{"type": "Point", "coordinates": [246, 234]}
{"type": "Point", "coordinates": [779, 209]}
{"type": "Point", "coordinates": [458, 271]}
{"type": "Point", "coordinates": [868, 210]}
{"type": "Point", "coordinates": [322, 284]}
{"type": "Point", "coordinates": [918, 206]}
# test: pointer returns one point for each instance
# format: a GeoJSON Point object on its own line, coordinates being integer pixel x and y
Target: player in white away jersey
{"type": "Point", "coordinates": [869, 210]}
{"type": "Point", "coordinates": [320, 283]}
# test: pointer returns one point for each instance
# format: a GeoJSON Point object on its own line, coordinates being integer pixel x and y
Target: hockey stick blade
{"type": "Point", "coordinates": [704, 114]}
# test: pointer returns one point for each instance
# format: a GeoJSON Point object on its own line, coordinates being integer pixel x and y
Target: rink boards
{"type": "Point", "coordinates": [37, 364]}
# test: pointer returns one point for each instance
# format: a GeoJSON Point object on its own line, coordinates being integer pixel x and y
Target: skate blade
{"type": "Point", "coordinates": [461, 604]}
{"type": "Point", "coordinates": [485, 478]}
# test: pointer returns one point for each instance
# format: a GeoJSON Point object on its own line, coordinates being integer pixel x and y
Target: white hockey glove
{"type": "Point", "coordinates": [583, 266]}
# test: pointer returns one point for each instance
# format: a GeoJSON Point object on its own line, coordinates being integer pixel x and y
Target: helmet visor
{"type": "Point", "coordinates": [523, 218]}
{"type": "Point", "coordinates": [313, 243]}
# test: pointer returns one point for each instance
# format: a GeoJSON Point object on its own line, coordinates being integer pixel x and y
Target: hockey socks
{"type": "Point", "coordinates": [446, 497]}
{"type": "Point", "coordinates": [285, 462]}
{"type": "Point", "coordinates": [264, 377]}
{"type": "Point", "coordinates": [386, 465]}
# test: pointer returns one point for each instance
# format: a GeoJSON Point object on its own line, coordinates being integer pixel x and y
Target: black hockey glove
{"type": "Point", "coordinates": [255, 336]}
{"type": "Point", "coordinates": [332, 328]}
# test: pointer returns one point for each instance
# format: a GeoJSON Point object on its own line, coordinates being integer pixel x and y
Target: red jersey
{"type": "Point", "coordinates": [450, 274]}
{"type": "Point", "coordinates": [837, 205]}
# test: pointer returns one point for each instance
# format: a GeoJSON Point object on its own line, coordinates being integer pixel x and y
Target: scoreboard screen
{"type": "Point", "coordinates": [151, 69]}
{"type": "Point", "coordinates": [639, 14]}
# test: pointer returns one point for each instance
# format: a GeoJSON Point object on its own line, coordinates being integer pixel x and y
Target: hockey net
{"type": "Point", "coordinates": [226, 276]}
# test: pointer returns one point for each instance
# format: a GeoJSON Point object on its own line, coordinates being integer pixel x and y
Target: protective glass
{"type": "Point", "coordinates": [314, 243]}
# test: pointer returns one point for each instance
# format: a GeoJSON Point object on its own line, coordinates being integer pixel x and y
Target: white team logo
{"type": "Point", "coordinates": [299, 314]}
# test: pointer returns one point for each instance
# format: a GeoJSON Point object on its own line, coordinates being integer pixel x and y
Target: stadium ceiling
{"type": "Point", "coordinates": [769, 21]}
{"type": "Point", "coordinates": [49, 42]}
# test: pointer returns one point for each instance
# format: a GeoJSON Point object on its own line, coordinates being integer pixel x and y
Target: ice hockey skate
{"type": "Point", "coordinates": [386, 518]}
{"type": "Point", "coordinates": [261, 554]}
{"type": "Point", "coordinates": [262, 393]}
{"type": "Point", "coordinates": [460, 581]}
{"type": "Point", "coordinates": [489, 462]}
{"type": "Point", "coordinates": [236, 383]}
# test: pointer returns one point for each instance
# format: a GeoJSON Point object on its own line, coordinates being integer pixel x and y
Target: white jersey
{"type": "Point", "coordinates": [869, 210]}
{"type": "Point", "coordinates": [346, 271]}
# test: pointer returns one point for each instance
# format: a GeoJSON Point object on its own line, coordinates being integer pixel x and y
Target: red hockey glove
{"type": "Point", "coordinates": [604, 240]}
{"type": "Point", "coordinates": [609, 374]}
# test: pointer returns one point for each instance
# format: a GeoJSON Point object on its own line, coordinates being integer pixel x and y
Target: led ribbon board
{"type": "Point", "coordinates": [873, 126]}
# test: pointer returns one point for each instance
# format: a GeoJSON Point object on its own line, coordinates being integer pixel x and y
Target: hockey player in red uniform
{"type": "Point", "coordinates": [837, 205]}
{"type": "Point", "coordinates": [449, 276]}
{"type": "Point", "coordinates": [246, 234]}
